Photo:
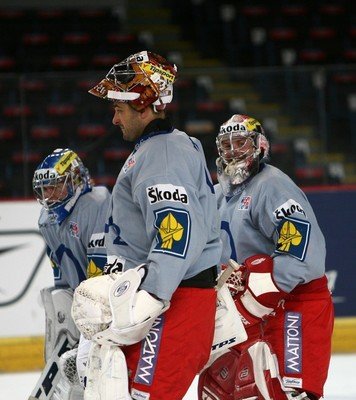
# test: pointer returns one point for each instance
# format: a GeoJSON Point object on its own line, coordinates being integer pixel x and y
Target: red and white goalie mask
{"type": "Point", "coordinates": [242, 145]}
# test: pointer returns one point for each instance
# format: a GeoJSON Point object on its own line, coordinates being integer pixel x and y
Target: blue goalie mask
{"type": "Point", "coordinates": [59, 181]}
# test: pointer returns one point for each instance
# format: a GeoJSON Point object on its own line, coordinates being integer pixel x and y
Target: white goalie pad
{"type": "Point", "coordinates": [107, 375]}
{"type": "Point", "coordinates": [133, 310]}
{"type": "Point", "coordinates": [229, 329]}
{"type": "Point", "coordinates": [91, 309]}
{"type": "Point", "coordinates": [57, 304]}
{"type": "Point", "coordinates": [68, 386]}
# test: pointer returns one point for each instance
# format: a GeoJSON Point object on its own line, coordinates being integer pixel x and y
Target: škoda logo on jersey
{"type": "Point", "coordinates": [167, 192]}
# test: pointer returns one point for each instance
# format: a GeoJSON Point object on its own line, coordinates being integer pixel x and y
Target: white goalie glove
{"type": "Point", "coordinates": [91, 309]}
{"type": "Point", "coordinates": [111, 309]}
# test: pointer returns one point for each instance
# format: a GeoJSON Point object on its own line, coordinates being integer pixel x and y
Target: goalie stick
{"type": "Point", "coordinates": [50, 375]}
{"type": "Point", "coordinates": [230, 269]}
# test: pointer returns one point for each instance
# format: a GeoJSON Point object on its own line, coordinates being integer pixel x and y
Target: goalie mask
{"type": "Point", "coordinates": [141, 79]}
{"type": "Point", "coordinates": [242, 145]}
{"type": "Point", "coordinates": [59, 181]}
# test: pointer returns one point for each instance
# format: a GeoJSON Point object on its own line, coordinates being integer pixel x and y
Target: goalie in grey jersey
{"type": "Point", "coordinates": [72, 222]}
{"type": "Point", "coordinates": [162, 233]}
{"type": "Point", "coordinates": [270, 233]}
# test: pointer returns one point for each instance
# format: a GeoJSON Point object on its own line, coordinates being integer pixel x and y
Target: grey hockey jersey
{"type": "Point", "coordinates": [271, 215]}
{"type": "Point", "coordinates": [76, 247]}
{"type": "Point", "coordinates": [163, 212]}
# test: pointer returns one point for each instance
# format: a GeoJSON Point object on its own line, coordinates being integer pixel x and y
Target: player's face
{"type": "Point", "coordinates": [128, 120]}
{"type": "Point", "coordinates": [55, 193]}
{"type": "Point", "coordinates": [235, 147]}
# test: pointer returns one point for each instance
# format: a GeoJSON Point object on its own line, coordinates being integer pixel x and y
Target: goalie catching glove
{"type": "Point", "coordinates": [111, 309]}
{"type": "Point", "coordinates": [252, 286]}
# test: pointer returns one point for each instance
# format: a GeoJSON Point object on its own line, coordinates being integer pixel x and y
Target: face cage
{"type": "Point", "coordinates": [67, 182]}
{"type": "Point", "coordinates": [133, 80]}
{"type": "Point", "coordinates": [233, 156]}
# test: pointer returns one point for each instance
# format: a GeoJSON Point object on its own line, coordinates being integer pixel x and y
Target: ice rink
{"type": "Point", "coordinates": [341, 384]}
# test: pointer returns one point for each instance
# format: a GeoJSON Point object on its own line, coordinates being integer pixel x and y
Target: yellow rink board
{"type": "Point", "coordinates": [26, 353]}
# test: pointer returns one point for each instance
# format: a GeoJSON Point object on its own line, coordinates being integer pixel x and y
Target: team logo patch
{"type": "Point", "coordinates": [130, 162]}
{"type": "Point", "coordinates": [245, 203]}
{"type": "Point", "coordinates": [293, 237]}
{"type": "Point", "coordinates": [287, 209]}
{"type": "Point", "coordinates": [93, 270]}
{"type": "Point", "coordinates": [74, 229]}
{"type": "Point", "coordinates": [173, 234]}
{"type": "Point", "coordinates": [167, 192]}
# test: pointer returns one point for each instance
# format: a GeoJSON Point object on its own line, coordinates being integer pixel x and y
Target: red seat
{"type": "Point", "coordinates": [7, 133]}
{"type": "Point", "coordinates": [106, 180]}
{"type": "Point", "coordinates": [61, 109]}
{"type": "Point", "coordinates": [211, 106]}
{"type": "Point", "coordinates": [35, 39]}
{"type": "Point", "coordinates": [76, 38]}
{"type": "Point", "coordinates": [310, 175]}
{"type": "Point", "coordinates": [91, 130]}
{"type": "Point", "coordinates": [116, 154]}
{"type": "Point", "coordinates": [45, 132]}
{"type": "Point", "coordinates": [17, 110]}
{"type": "Point", "coordinates": [349, 55]}
{"type": "Point", "coordinates": [7, 63]}
{"type": "Point", "coordinates": [283, 34]}
{"type": "Point", "coordinates": [104, 60]}
{"type": "Point", "coordinates": [65, 61]}
{"type": "Point", "coordinates": [294, 10]}
{"type": "Point", "coordinates": [33, 85]}
{"type": "Point", "coordinates": [322, 33]}
{"type": "Point", "coordinates": [19, 157]}
{"type": "Point", "coordinates": [312, 55]}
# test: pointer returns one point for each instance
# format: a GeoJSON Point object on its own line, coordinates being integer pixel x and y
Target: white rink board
{"type": "Point", "coordinates": [25, 270]}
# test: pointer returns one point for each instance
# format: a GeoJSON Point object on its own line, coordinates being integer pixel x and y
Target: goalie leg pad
{"type": "Point", "coordinates": [229, 329]}
{"type": "Point", "coordinates": [217, 382]}
{"type": "Point", "coordinates": [82, 359]}
{"type": "Point", "coordinates": [133, 311]}
{"type": "Point", "coordinates": [257, 376]}
{"type": "Point", "coordinates": [107, 376]}
{"type": "Point", "coordinates": [68, 387]}
{"type": "Point", "coordinates": [57, 304]}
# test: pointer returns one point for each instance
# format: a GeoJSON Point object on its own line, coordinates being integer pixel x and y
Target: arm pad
{"type": "Point", "coordinates": [261, 296]}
